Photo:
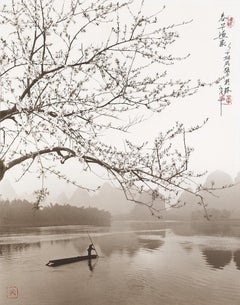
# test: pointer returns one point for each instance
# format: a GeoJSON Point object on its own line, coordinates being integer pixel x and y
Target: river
{"type": "Point", "coordinates": [140, 263]}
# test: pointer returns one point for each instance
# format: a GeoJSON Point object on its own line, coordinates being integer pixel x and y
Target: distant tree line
{"type": "Point", "coordinates": [214, 214]}
{"type": "Point", "coordinates": [23, 213]}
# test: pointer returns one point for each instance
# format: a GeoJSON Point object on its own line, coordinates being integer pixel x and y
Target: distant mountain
{"type": "Point", "coordinates": [218, 179]}
{"type": "Point", "coordinates": [62, 199]}
{"type": "Point", "coordinates": [7, 191]}
{"type": "Point", "coordinates": [112, 199]}
{"type": "Point", "coordinates": [226, 199]}
{"type": "Point", "coordinates": [188, 203]}
{"type": "Point", "coordinates": [27, 196]}
{"type": "Point", "coordinates": [237, 179]}
{"type": "Point", "coordinates": [80, 198]}
{"type": "Point", "coordinates": [108, 198]}
{"type": "Point", "coordinates": [142, 212]}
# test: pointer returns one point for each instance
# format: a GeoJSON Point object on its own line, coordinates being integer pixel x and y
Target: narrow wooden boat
{"type": "Point", "coordinates": [69, 260]}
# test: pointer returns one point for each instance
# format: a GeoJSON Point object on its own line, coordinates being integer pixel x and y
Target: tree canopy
{"type": "Point", "coordinates": [22, 213]}
{"type": "Point", "coordinates": [70, 70]}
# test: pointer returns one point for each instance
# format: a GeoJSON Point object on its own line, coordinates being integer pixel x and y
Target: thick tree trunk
{"type": "Point", "coordinates": [8, 113]}
{"type": "Point", "coordinates": [2, 169]}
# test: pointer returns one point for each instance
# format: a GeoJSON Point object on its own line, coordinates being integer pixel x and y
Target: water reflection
{"type": "Point", "coordinates": [145, 236]}
{"type": "Point", "coordinates": [129, 243]}
{"type": "Point", "coordinates": [160, 233]}
{"type": "Point", "coordinates": [7, 249]}
{"type": "Point", "coordinates": [150, 244]}
{"type": "Point", "coordinates": [208, 228]}
{"type": "Point", "coordinates": [217, 259]}
{"type": "Point", "coordinates": [236, 258]}
{"type": "Point", "coordinates": [145, 265]}
{"type": "Point", "coordinates": [107, 244]}
{"type": "Point", "coordinates": [92, 265]}
{"type": "Point", "coordinates": [119, 243]}
{"type": "Point", "coordinates": [187, 246]}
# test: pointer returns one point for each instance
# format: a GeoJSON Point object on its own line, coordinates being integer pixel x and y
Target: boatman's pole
{"type": "Point", "coordinates": [92, 243]}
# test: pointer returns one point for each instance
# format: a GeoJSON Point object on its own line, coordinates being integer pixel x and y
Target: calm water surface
{"type": "Point", "coordinates": [140, 264]}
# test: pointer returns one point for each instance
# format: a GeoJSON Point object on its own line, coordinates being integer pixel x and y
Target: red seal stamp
{"type": "Point", "coordinates": [222, 98]}
{"type": "Point", "coordinates": [229, 100]}
{"type": "Point", "coordinates": [12, 292]}
{"type": "Point", "coordinates": [230, 22]}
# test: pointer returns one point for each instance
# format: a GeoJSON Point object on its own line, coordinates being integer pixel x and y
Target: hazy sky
{"type": "Point", "coordinates": [217, 145]}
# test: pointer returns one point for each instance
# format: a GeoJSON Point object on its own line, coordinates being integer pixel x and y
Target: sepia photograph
{"type": "Point", "coordinates": [119, 152]}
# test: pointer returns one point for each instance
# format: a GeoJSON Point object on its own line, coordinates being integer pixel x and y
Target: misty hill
{"type": "Point", "coordinates": [107, 197]}
{"type": "Point", "coordinates": [237, 179]}
{"type": "Point", "coordinates": [23, 213]}
{"type": "Point", "coordinates": [81, 197]}
{"type": "Point", "coordinates": [6, 190]}
{"type": "Point", "coordinates": [142, 212]}
{"type": "Point", "coordinates": [112, 199]}
{"type": "Point", "coordinates": [62, 198]}
{"type": "Point", "coordinates": [218, 178]}
{"type": "Point", "coordinates": [225, 201]}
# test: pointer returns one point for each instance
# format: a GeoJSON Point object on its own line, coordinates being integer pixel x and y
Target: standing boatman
{"type": "Point", "coordinates": [90, 248]}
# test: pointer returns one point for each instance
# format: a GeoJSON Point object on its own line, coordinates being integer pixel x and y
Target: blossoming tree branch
{"type": "Point", "coordinates": [73, 70]}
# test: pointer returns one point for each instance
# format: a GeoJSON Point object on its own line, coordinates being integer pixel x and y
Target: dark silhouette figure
{"type": "Point", "coordinates": [90, 248]}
